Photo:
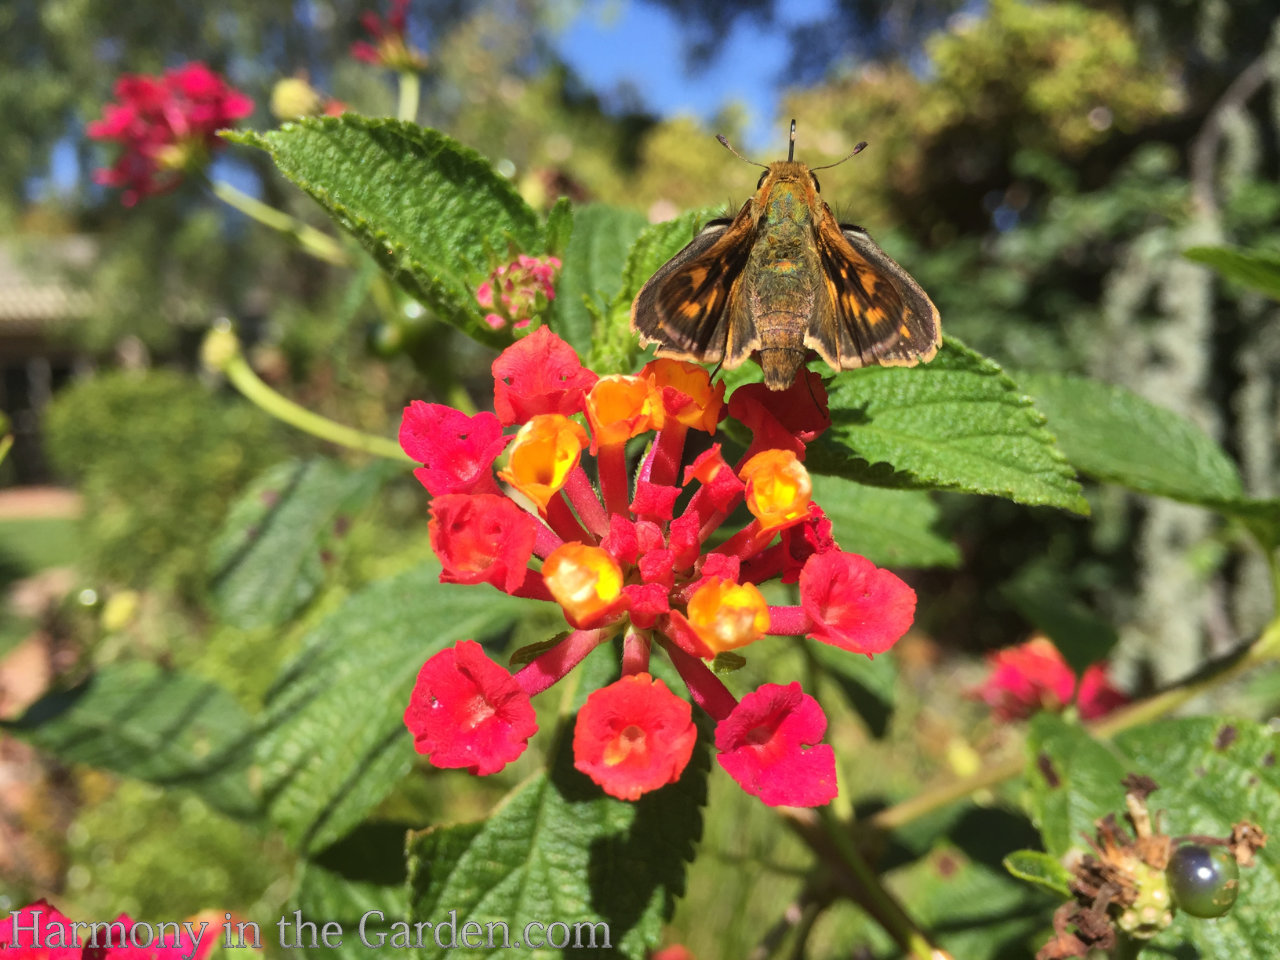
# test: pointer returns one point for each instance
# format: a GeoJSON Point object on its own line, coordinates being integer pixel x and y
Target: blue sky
{"type": "Point", "coordinates": [611, 42]}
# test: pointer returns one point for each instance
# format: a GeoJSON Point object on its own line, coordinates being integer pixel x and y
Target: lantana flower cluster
{"type": "Point", "coordinates": [390, 47]}
{"type": "Point", "coordinates": [167, 126]}
{"type": "Point", "coordinates": [517, 292]}
{"type": "Point", "coordinates": [1034, 676]}
{"type": "Point", "coordinates": [40, 931]}
{"type": "Point", "coordinates": [642, 559]}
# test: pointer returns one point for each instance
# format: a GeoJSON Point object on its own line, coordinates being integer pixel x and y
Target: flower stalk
{"type": "Point", "coordinates": [310, 240]}
{"type": "Point", "coordinates": [221, 352]}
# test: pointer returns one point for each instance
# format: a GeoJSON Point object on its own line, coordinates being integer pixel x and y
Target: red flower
{"type": "Point", "coordinates": [129, 939]}
{"type": "Point", "coordinates": [853, 604]}
{"type": "Point", "coordinates": [167, 126]}
{"type": "Point", "coordinates": [457, 450]}
{"type": "Point", "coordinates": [629, 553]}
{"type": "Point", "coordinates": [766, 745]}
{"type": "Point", "coordinates": [482, 539]}
{"type": "Point", "coordinates": [390, 47]}
{"type": "Point", "coordinates": [43, 933]}
{"type": "Point", "coordinates": [677, 951]}
{"type": "Point", "coordinates": [538, 374]}
{"type": "Point", "coordinates": [633, 736]}
{"type": "Point", "coordinates": [466, 711]}
{"type": "Point", "coordinates": [1034, 676]}
{"type": "Point", "coordinates": [1097, 695]}
{"type": "Point", "coordinates": [782, 419]}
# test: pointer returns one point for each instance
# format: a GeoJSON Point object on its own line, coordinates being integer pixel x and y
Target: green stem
{"type": "Point", "coordinates": [1265, 649]}
{"type": "Point", "coordinates": [238, 371]}
{"type": "Point", "coordinates": [6, 442]}
{"type": "Point", "coordinates": [872, 896]}
{"type": "Point", "coordinates": [410, 89]}
{"type": "Point", "coordinates": [320, 245]}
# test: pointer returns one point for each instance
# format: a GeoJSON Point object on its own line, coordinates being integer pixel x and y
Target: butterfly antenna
{"type": "Point", "coordinates": [852, 153]}
{"type": "Point", "coordinates": [724, 142]}
{"type": "Point", "coordinates": [791, 143]}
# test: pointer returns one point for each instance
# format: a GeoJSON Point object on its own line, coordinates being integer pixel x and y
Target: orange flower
{"type": "Point", "coordinates": [586, 581]}
{"type": "Point", "coordinates": [726, 615]}
{"type": "Point", "coordinates": [619, 408]}
{"type": "Point", "coordinates": [686, 391]}
{"type": "Point", "coordinates": [543, 453]}
{"type": "Point", "coordinates": [778, 488]}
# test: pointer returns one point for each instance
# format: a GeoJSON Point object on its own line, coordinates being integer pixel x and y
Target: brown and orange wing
{"type": "Point", "coordinates": [876, 313]}
{"type": "Point", "coordinates": [689, 307]}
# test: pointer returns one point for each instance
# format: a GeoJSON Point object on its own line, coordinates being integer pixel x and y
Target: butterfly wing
{"type": "Point", "coordinates": [875, 313]}
{"type": "Point", "coordinates": [689, 308]}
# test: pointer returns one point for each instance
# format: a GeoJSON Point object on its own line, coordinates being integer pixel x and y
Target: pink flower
{"type": "Point", "coordinates": [42, 932]}
{"type": "Point", "coordinates": [466, 711]}
{"type": "Point", "coordinates": [390, 47]}
{"type": "Point", "coordinates": [853, 604]}
{"type": "Point", "coordinates": [767, 745]}
{"type": "Point", "coordinates": [1034, 676]}
{"type": "Point", "coordinates": [167, 126]}
{"type": "Point", "coordinates": [457, 451]}
{"type": "Point", "coordinates": [517, 292]}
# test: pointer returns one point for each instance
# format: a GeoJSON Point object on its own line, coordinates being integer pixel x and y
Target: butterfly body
{"type": "Point", "coordinates": [782, 278]}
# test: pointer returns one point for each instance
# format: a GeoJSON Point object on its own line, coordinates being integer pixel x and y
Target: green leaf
{"type": "Point", "coordinates": [335, 741]}
{"type": "Point", "coordinates": [354, 880]}
{"type": "Point", "coordinates": [1113, 434]}
{"type": "Point", "coordinates": [432, 212]}
{"type": "Point", "coordinates": [1258, 269]}
{"type": "Point", "coordinates": [593, 263]}
{"type": "Point", "coordinates": [157, 725]}
{"type": "Point", "coordinates": [956, 423]}
{"type": "Point", "coordinates": [888, 527]}
{"type": "Point", "coordinates": [559, 227]}
{"type": "Point", "coordinates": [868, 684]}
{"type": "Point", "coordinates": [557, 849]}
{"type": "Point", "coordinates": [270, 557]}
{"type": "Point", "coordinates": [974, 909]}
{"type": "Point", "coordinates": [1212, 772]}
{"type": "Point", "coordinates": [1038, 868]}
{"type": "Point", "coordinates": [1073, 778]}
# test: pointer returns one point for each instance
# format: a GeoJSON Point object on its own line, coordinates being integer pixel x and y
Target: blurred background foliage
{"type": "Point", "coordinates": [1037, 166]}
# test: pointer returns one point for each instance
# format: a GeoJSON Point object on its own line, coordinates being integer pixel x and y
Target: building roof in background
{"type": "Point", "coordinates": [37, 281]}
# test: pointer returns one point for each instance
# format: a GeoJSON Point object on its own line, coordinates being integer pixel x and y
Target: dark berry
{"type": "Point", "coordinates": [1204, 881]}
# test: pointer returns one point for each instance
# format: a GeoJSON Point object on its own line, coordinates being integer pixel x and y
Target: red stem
{"type": "Point", "coordinates": [562, 520]}
{"type": "Point", "coordinates": [547, 668]}
{"type": "Point", "coordinates": [788, 622]}
{"type": "Point", "coordinates": [583, 497]}
{"type": "Point", "coordinates": [635, 653]}
{"type": "Point", "coordinates": [668, 451]}
{"type": "Point", "coordinates": [611, 463]}
{"type": "Point", "coordinates": [704, 686]}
